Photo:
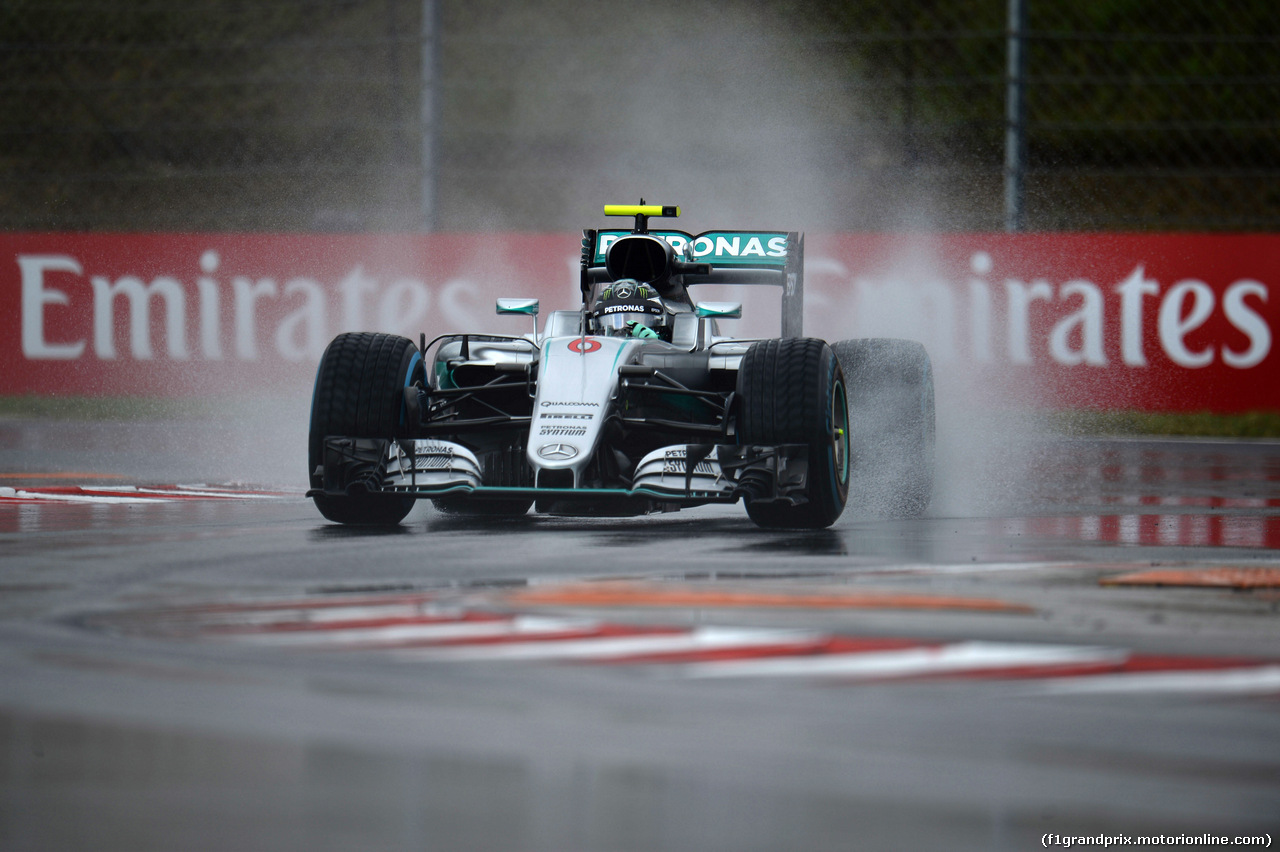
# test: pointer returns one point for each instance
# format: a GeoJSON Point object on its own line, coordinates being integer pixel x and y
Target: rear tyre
{"type": "Point", "coordinates": [792, 391]}
{"type": "Point", "coordinates": [892, 422]}
{"type": "Point", "coordinates": [359, 393]}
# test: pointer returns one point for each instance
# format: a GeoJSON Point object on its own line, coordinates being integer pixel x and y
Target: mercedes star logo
{"type": "Point", "coordinates": [557, 452]}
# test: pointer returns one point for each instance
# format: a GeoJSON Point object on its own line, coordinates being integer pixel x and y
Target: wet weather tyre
{"type": "Point", "coordinates": [792, 391]}
{"type": "Point", "coordinates": [359, 393]}
{"type": "Point", "coordinates": [892, 424]}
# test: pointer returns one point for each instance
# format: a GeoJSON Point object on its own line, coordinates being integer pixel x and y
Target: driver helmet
{"type": "Point", "coordinates": [627, 308]}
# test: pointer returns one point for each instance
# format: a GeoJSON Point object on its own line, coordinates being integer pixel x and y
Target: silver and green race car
{"type": "Point", "coordinates": [635, 403]}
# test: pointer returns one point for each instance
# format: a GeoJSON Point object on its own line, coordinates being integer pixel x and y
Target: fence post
{"type": "Point", "coordinates": [1015, 116]}
{"type": "Point", "coordinates": [428, 113]}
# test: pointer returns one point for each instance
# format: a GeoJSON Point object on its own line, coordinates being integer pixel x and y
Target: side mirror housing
{"type": "Point", "coordinates": [719, 310]}
{"type": "Point", "coordinates": [527, 307]}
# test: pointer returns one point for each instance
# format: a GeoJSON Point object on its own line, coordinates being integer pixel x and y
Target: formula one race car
{"type": "Point", "coordinates": [633, 404]}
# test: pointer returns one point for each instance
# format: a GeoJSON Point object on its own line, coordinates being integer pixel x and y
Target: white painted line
{"type": "Point", "coordinates": [912, 662]}
{"type": "Point", "coordinates": [121, 494]}
{"type": "Point", "coordinates": [441, 632]}
{"type": "Point", "coordinates": [967, 567]}
{"type": "Point", "coordinates": [203, 492]}
{"type": "Point", "coordinates": [1253, 680]}
{"type": "Point", "coordinates": [77, 498]}
{"type": "Point", "coordinates": [306, 618]}
{"type": "Point", "coordinates": [615, 647]}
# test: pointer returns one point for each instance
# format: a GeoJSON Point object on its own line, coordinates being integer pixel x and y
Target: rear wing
{"type": "Point", "coordinates": [721, 257]}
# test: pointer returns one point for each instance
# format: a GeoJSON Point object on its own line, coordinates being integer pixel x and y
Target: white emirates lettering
{"type": "Point", "coordinates": [240, 317]}
{"type": "Point", "coordinates": [989, 321]}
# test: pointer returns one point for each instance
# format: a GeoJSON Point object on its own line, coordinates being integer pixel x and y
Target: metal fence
{"type": "Point", "coordinates": [405, 115]}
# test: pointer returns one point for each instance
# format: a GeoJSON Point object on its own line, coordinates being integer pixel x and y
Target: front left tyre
{"type": "Point", "coordinates": [359, 393]}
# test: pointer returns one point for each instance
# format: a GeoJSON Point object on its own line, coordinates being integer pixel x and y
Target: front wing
{"type": "Point", "coordinates": [680, 475]}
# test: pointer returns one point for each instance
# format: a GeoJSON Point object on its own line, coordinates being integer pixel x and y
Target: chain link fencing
{"type": "Point", "coordinates": [405, 115]}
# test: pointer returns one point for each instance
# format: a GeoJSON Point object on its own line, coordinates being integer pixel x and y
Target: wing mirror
{"type": "Point", "coordinates": [528, 307]}
{"type": "Point", "coordinates": [720, 310]}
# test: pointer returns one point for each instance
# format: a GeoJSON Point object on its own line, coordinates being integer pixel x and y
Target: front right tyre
{"type": "Point", "coordinates": [792, 391]}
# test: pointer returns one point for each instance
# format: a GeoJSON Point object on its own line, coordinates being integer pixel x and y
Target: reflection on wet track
{"type": "Point", "coordinates": [429, 629]}
{"type": "Point", "coordinates": [1090, 647]}
{"type": "Point", "coordinates": [1184, 530]}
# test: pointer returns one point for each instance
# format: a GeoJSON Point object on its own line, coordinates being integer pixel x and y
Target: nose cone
{"type": "Point", "coordinates": [576, 383]}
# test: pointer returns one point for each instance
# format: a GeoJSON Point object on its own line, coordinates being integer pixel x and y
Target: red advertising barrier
{"type": "Point", "coordinates": [1169, 322]}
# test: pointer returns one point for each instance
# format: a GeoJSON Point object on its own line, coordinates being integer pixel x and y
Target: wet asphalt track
{"type": "Point", "coordinates": [224, 670]}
